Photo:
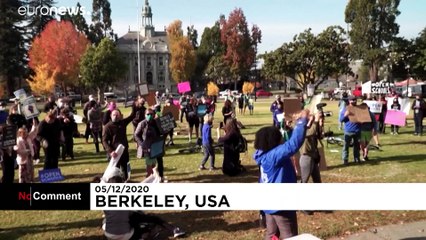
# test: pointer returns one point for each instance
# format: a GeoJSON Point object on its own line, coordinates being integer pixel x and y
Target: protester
{"type": "Point", "coordinates": [114, 134]}
{"type": "Point", "coordinates": [7, 161]}
{"type": "Point", "coordinates": [86, 108]}
{"type": "Point", "coordinates": [51, 136]}
{"type": "Point", "coordinates": [3, 114]}
{"type": "Point", "coordinates": [352, 133]}
{"type": "Point", "coordinates": [126, 225]}
{"type": "Point", "coordinates": [50, 104]}
{"type": "Point", "coordinates": [240, 104]}
{"type": "Point", "coordinates": [382, 116]}
{"type": "Point", "coordinates": [107, 114]}
{"type": "Point", "coordinates": [246, 102]}
{"type": "Point", "coordinates": [274, 106]}
{"type": "Point", "coordinates": [367, 130]}
{"type": "Point", "coordinates": [227, 111]}
{"type": "Point", "coordinates": [94, 118]}
{"type": "Point", "coordinates": [309, 153]}
{"type": "Point", "coordinates": [183, 101]}
{"type": "Point", "coordinates": [251, 105]}
{"type": "Point", "coordinates": [207, 143]}
{"type": "Point", "coordinates": [279, 109]}
{"type": "Point", "coordinates": [145, 134]}
{"type": "Point", "coordinates": [231, 156]}
{"type": "Point", "coordinates": [25, 153]}
{"type": "Point", "coordinates": [169, 102]}
{"type": "Point", "coordinates": [139, 109]}
{"type": "Point", "coordinates": [395, 106]}
{"type": "Point", "coordinates": [343, 102]}
{"type": "Point", "coordinates": [419, 107]}
{"type": "Point", "coordinates": [192, 118]}
{"type": "Point", "coordinates": [69, 128]}
{"type": "Point", "coordinates": [157, 107]}
{"type": "Point", "coordinates": [273, 157]}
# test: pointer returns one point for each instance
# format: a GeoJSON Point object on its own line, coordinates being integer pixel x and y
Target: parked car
{"type": "Point", "coordinates": [263, 93]}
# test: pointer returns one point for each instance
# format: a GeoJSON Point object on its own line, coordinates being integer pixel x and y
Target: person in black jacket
{"type": "Point", "coordinates": [419, 107]}
{"type": "Point", "coordinates": [139, 109]}
{"type": "Point", "coordinates": [114, 134]}
{"type": "Point", "coordinates": [69, 128]}
{"type": "Point", "coordinates": [231, 156]}
{"type": "Point", "coordinates": [51, 136]}
{"type": "Point", "coordinates": [50, 104]}
{"type": "Point", "coordinates": [86, 108]}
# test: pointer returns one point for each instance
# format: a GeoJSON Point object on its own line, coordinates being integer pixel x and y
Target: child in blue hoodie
{"type": "Point", "coordinates": [273, 158]}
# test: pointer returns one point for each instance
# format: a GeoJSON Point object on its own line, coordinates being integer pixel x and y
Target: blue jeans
{"type": "Point", "coordinates": [345, 152]}
{"type": "Point", "coordinates": [208, 152]}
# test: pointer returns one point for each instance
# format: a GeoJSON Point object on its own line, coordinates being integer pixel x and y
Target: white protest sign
{"type": "Point", "coordinates": [29, 108]}
{"type": "Point", "coordinates": [375, 106]}
{"type": "Point", "coordinates": [113, 163]}
{"type": "Point", "coordinates": [280, 117]}
{"type": "Point", "coordinates": [404, 102]}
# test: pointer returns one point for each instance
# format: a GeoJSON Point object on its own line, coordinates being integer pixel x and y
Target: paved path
{"type": "Point", "coordinates": [407, 231]}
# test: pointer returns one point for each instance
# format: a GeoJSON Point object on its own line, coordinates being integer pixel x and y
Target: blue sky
{"type": "Point", "coordinates": [279, 20]}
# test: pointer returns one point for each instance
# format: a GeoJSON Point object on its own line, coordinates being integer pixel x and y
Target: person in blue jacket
{"type": "Point", "coordinates": [352, 134]}
{"type": "Point", "coordinates": [273, 157]}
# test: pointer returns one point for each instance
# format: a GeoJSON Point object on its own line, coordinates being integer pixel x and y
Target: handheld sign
{"type": "Point", "coordinates": [29, 108]}
{"type": "Point", "coordinates": [50, 175]}
{"type": "Point", "coordinates": [8, 135]}
{"type": "Point", "coordinates": [166, 123]}
{"type": "Point", "coordinates": [143, 89]}
{"type": "Point", "coordinates": [184, 87]}
{"type": "Point", "coordinates": [20, 94]}
{"type": "Point", "coordinates": [359, 114]}
{"type": "Point", "coordinates": [171, 109]}
{"type": "Point", "coordinates": [157, 149]}
{"type": "Point", "coordinates": [291, 107]}
{"type": "Point", "coordinates": [375, 106]}
{"type": "Point", "coordinates": [395, 117]}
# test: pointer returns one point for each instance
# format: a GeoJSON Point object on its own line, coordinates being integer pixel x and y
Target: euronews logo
{"type": "Point", "coordinates": [44, 10]}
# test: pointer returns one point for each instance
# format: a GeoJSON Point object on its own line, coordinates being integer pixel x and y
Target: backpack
{"type": "Point", "coordinates": [242, 144]}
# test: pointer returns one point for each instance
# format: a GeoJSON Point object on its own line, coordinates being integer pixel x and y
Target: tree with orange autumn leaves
{"type": "Point", "coordinates": [241, 44]}
{"type": "Point", "coordinates": [56, 54]}
{"type": "Point", "coordinates": [182, 53]}
{"type": "Point", "coordinates": [44, 81]}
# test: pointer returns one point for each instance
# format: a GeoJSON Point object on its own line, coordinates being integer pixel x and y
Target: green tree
{"type": "Point", "coordinates": [102, 66]}
{"type": "Point", "coordinates": [240, 42]}
{"type": "Point", "coordinates": [12, 45]}
{"type": "Point", "coordinates": [372, 26]}
{"type": "Point", "coordinates": [419, 66]}
{"type": "Point", "coordinates": [101, 22]}
{"type": "Point", "coordinates": [36, 20]}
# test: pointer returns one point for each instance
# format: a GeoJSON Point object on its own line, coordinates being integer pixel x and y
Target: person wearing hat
{"type": "Point", "coordinates": [352, 133]}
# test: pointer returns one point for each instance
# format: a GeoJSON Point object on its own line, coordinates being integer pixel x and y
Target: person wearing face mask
{"type": "Point", "coordinates": [352, 133]}
{"type": "Point", "coordinates": [395, 106]}
{"type": "Point", "coordinates": [146, 133]}
{"type": "Point", "coordinates": [419, 107]}
{"type": "Point", "coordinates": [207, 142]}
{"type": "Point", "coordinates": [107, 114]}
{"type": "Point", "coordinates": [114, 134]}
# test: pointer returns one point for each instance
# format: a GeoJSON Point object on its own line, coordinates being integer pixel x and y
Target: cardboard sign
{"type": "Point", "coordinates": [166, 123]}
{"type": "Point", "coordinates": [375, 106]}
{"type": "Point", "coordinates": [395, 117]}
{"type": "Point", "coordinates": [20, 94]}
{"type": "Point", "coordinates": [184, 87]}
{"type": "Point", "coordinates": [8, 135]}
{"type": "Point", "coordinates": [29, 108]}
{"type": "Point", "coordinates": [291, 107]}
{"type": "Point", "coordinates": [359, 114]}
{"type": "Point", "coordinates": [201, 110]}
{"type": "Point", "coordinates": [150, 99]}
{"type": "Point", "coordinates": [157, 149]}
{"type": "Point", "coordinates": [143, 89]}
{"type": "Point", "coordinates": [50, 175]}
{"type": "Point", "coordinates": [171, 109]}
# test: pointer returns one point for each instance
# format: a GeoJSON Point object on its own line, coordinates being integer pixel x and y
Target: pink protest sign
{"type": "Point", "coordinates": [184, 87]}
{"type": "Point", "coordinates": [395, 117]}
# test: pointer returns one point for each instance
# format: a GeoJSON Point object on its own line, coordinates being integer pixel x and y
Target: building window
{"type": "Point", "coordinates": [161, 76]}
{"type": "Point", "coordinates": [148, 61]}
{"type": "Point", "coordinates": [160, 60]}
{"type": "Point", "coordinates": [149, 77]}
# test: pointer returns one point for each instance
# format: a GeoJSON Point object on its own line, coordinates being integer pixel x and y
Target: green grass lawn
{"type": "Point", "coordinates": [402, 159]}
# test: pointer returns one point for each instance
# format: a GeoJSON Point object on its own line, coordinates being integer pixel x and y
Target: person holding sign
{"type": "Point", "coordinates": [273, 158]}
{"type": "Point", "coordinates": [145, 134]}
{"type": "Point", "coordinates": [419, 107]}
{"type": "Point", "coordinates": [352, 133]}
{"type": "Point", "coordinates": [25, 153]}
{"type": "Point", "coordinates": [395, 106]}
